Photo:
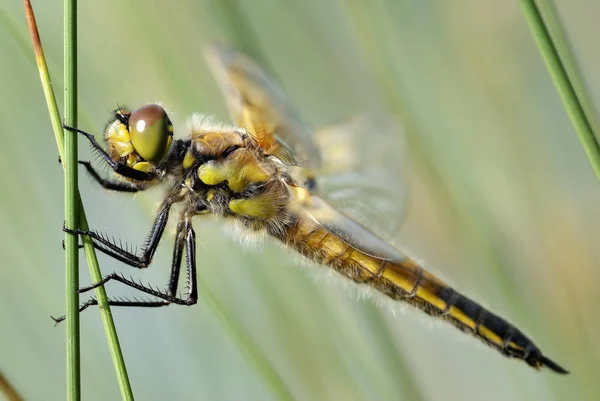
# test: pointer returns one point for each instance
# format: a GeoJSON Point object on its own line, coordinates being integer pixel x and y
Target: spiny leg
{"type": "Point", "coordinates": [190, 250]}
{"type": "Point", "coordinates": [118, 167]}
{"type": "Point", "coordinates": [185, 236]}
{"type": "Point", "coordinates": [110, 248]}
{"type": "Point", "coordinates": [113, 185]}
{"type": "Point", "coordinates": [173, 279]}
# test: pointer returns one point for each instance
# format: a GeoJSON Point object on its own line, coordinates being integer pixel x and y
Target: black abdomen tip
{"type": "Point", "coordinates": [553, 366]}
{"type": "Point", "coordinates": [538, 361]}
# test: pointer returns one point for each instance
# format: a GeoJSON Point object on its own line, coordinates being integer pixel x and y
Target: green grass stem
{"type": "Point", "coordinates": [71, 207]}
{"type": "Point", "coordinates": [109, 327]}
{"type": "Point", "coordinates": [561, 64]}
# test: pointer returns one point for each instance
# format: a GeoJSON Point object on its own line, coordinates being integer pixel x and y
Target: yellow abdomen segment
{"type": "Point", "coordinates": [406, 280]}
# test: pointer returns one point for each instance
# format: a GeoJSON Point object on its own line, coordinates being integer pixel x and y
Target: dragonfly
{"type": "Point", "coordinates": [262, 173]}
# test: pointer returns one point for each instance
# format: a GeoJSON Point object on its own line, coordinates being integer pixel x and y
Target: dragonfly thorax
{"type": "Point", "coordinates": [225, 173]}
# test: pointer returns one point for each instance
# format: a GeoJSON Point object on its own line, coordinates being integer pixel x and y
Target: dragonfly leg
{"type": "Point", "coordinates": [185, 237]}
{"type": "Point", "coordinates": [118, 167]}
{"type": "Point", "coordinates": [109, 247]}
{"type": "Point", "coordinates": [113, 185]}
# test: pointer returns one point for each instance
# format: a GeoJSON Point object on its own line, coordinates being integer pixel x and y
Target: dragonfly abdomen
{"type": "Point", "coordinates": [406, 280]}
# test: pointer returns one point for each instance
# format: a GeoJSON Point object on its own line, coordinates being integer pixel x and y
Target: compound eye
{"type": "Point", "coordinates": [151, 132]}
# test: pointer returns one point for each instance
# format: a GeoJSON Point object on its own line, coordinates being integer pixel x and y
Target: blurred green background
{"type": "Point", "coordinates": [503, 203]}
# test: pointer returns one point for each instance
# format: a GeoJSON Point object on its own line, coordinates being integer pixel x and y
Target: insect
{"type": "Point", "coordinates": [261, 173]}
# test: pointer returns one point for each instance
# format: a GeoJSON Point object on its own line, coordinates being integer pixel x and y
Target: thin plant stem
{"type": "Point", "coordinates": [565, 81]}
{"type": "Point", "coordinates": [8, 390]}
{"type": "Point", "coordinates": [247, 345]}
{"type": "Point", "coordinates": [71, 207]}
{"type": "Point", "coordinates": [109, 327]}
{"type": "Point", "coordinates": [557, 33]}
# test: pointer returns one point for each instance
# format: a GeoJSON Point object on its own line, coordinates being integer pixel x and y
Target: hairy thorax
{"type": "Point", "coordinates": [226, 174]}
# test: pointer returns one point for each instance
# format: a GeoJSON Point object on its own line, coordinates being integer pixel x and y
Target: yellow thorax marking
{"type": "Point", "coordinates": [237, 173]}
{"type": "Point", "coordinates": [188, 159]}
{"type": "Point", "coordinates": [248, 173]}
{"type": "Point", "coordinates": [261, 207]}
{"type": "Point", "coordinates": [212, 173]}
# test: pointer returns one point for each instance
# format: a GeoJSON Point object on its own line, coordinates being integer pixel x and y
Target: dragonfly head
{"type": "Point", "coordinates": [141, 137]}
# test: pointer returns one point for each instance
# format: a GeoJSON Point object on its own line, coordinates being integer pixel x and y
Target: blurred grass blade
{"type": "Point", "coordinates": [7, 390]}
{"type": "Point", "coordinates": [567, 81]}
{"type": "Point", "coordinates": [109, 327]}
{"type": "Point", "coordinates": [245, 343]}
{"type": "Point", "coordinates": [551, 18]}
{"type": "Point", "coordinates": [71, 208]}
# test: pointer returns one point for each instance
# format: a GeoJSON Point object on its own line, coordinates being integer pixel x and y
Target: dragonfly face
{"type": "Point", "coordinates": [140, 138]}
{"type": "Point", "coordinates": [261, 173]}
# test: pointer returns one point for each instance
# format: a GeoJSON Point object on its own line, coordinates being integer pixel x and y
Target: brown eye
{"type": "Point", "coordinates": [151, 132]}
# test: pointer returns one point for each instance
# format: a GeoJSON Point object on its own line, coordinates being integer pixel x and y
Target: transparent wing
{"type": "Point", "coordinates": [257, 104]}
{"type": "Point", "coordinates": [359, 162]}
{"type": "Point", "coordinates": [350, 231]}
{"type": "Point", "coordinates": [362, 171]}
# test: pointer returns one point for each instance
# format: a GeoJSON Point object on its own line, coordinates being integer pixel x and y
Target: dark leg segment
{"type": "Point", "coordinates": [185, 236]}
{"type": "Point", "coordinates": [119, 168]}
{"type": "Point", "coordinates": [192, 296]}
{"type": "Point", "coordinates": [120, 186]}
{"type": "Point", "coordinates": [110, 248]}
{"type": "Point", "coordinates": [180, 239]}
